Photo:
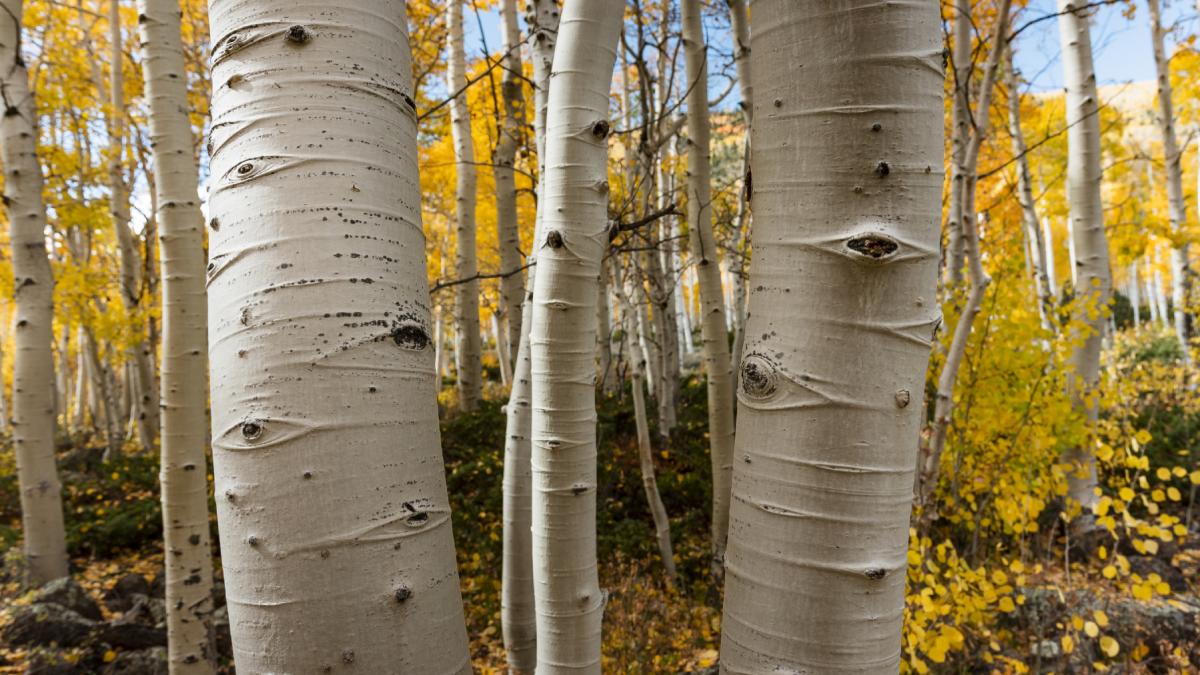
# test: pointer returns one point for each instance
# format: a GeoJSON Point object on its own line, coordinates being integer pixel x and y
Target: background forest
{"type": "Point", "coordinates": [1000, 576]}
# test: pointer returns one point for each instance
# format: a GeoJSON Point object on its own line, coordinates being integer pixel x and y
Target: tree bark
{"type": "Point", "coordinates": [1176, 210]}
{"type": "Point", "coordinates": [714, 336]}
{"type": "Point", "coordinates": [334, 519]}
{"type": "Point", "coordinates": [563, 339]}
{"type": "Point", "coordinates": [1093, 280]}
{"type": "Point", "coordinates": [837, 346]}
{"type": "Point", "coordinates": [512, 287]}
{"type": "Point", "coordinates": [960, 120]}
{"type": "Point", "coordinates": [33, 300]}
{"type": "Point", "coordinates": [466, 306]}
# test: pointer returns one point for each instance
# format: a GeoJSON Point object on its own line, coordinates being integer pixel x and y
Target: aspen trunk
{"type": "Point", "coordinates": [563, 339]}
{"type": "Point", "coordinates": [1090, 264]}
{"type": "Point", "coordinates": [512, 287]}
{"type": "Point", "coordinates": [334, 519]}
{"type": "Point", "coordinates": [466, 306]}
{"type": "Point", "coordinates": [714, 336]}
{"type": "Point", "coordinates": [960, 120]}
{"type": "Point", "coordinates": [33, 300]}
{"type": "Point", "coordinates": [518, 617]}
{"type": "Point", "coordinates": [836, 349]}
{"type": "Point", "coordinates": [138, 353]}
{"type": "Point", "coordinates": [1051, 277]}
{"type": "Point", "coordinates": [1176, 209]}
{"type": "Point", "coordinates": [604, 339]}
{"type": "Point", "coordinates": [1135, 299]}
{"type": "Point", "coordinates": [191, 645]}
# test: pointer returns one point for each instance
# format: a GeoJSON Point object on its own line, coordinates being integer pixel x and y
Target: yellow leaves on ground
{"type": "Point", "coordinates": [1109, 646]}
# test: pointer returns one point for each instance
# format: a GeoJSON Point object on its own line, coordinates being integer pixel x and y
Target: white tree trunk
{"type": "Point", "coordinates": [563, 339]}
{"type": "Point", "coordinates": [837, 345]}
{"type": "Point", "coordinates": [512, 287]}
{"type": "Point", "coordinates": [191, 645]}
{"type": "Point", "coordinates": [1051, 280]}
{"type": "Point", "coordinates": [960, 120]}
{"type": "Point", "coordinates": [714, 336]}
{"type": "Point", "coordinates": [33, 300]}
{"type": "Point", "coordinates": [1172, 161]}
{"type": "Point", "coordinates": [518, 620]}
{"type": "Point", "coordinates": [466, 306]}
{"type": "Point", "coordinates": [1135, 294]}
{"type": "Point", "coordinates": [1033, 230]}
{"type": "Point", "coordinates": [335, 523]}
{"type": "Point", "coordinates": [1090, 264]}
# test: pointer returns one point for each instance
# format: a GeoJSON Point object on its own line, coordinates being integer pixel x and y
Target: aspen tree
{"type": "Point", "coordinates": [960, 119]}
{"type": "Point", "coordinates": [466, 305]}
{"type": "Point", "coordinates": [1172, 162]}
{"type": "Point", "coordinates": [848, 126]}
{"type": "Point", "coordinates": [512, 287]}
{"type": "Point", "coordinates": [33, 299]}
{"type": "Point", "coordinates": [334, 519]}
{"type": "Point", "coordinates": [713, 332]}
{"type": "Point", "coordinates": [563, 338]}
{"type": "Point", "coordinates": [1090, 242]}
{"type": "Point", "coordinates": [189, 571]}
{"type": "Point", "coordinates": [518, 619]}
{"type": "Point", "coordinates": [146, 400]}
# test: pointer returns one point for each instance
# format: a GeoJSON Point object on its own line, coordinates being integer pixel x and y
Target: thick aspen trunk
{"type": "Point", "coordinates": [714, 336]}
{"type": "Point", "coordinates": [1176, 209]}
{"type": "Point", "coordinates": [334, 519]}
{"type": "Point", "coordinates": [33, 300]}
{"type": "Point", "coordinates": [130, 262]}
{"type": "Point", "coordinates": [512, 287]}
{"type": "Point", "coordinates": [469, 344]}
{"type": "Point", "coordinates": [837, 346]}
{"type": "Point", "coordinates": [1090, 266]}
{"type": "Point", "coordinates": [518, 616]}
{"type": "Point", "coordinates": [563, 339]}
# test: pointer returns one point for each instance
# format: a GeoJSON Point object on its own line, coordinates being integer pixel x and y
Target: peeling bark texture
{"type": "Point", "coordinates": [518, 619]}
{"type": "Point", "coordinates": [331, 495]}
{"type": "Point", "coordinates": [843, 292]}
{"type": "Point", "coordinates": [1181, 272]}
{"type": "Point", "coordinates": [512, 287]}
{"type": "Point", "coordinates": [714, 335]}
{"type": "Point", "coordinates": [960, 120]}
{"type": "Point", "coordinates": [1033, 229]}
{"type": "Point", "coordinates": [146, 402]}
{"type": "Point", "coordinates": [33, 316]}
{"type": "Point", "coordinates": [466, 305]}
{"type": "Point", "coordinates": [563, 339]}
{"type": "Point", "coordinates": [1093, 279]}
{"type": "Point", "coordinates": [943, 409]}
{"type": "Point", "coordinates": [189, 570]}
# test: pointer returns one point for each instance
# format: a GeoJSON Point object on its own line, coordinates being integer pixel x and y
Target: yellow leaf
{"type": "Point", "coordinates": [1006, 604]}
{"type": "Point", "coordinates": [1173, 494]}
{"type": "Point", "coordinates": [1143, 437]}
{"type": "Point", "coordinates": [1101, 618]}
{"type": "Point", "coordinates": [1163, 473]}
{"type": "Point", "coordinates": [1126, 494]}
{"type": "Point", "coordinates": [1109, 646]}
{"type": "Point", "coordinates": [1109, 572]}
{"type": "Point", "coordinates": [110, 656]}
{"type": "Point", "coordinates": [1068, 644]}
{"type": "Point", "coordinates": [1091, 629]}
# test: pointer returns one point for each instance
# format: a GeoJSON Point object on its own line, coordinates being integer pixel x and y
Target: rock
{"type": "Point", "coordinates": [158, 586]}
{"type": "Point", "coordinates": [1048, 649]}
{"type": "Point", "coordinates": [66, 592]}
{"type": "Point", "coordinates": [120, 597]}
{"type": "Point", "coordinates": [47, 662]}
{"type": "Point", "coordinates": [145, 662]}
{"type": "Point", "coordinates": [1145, 565]}
{"type": "Point", "coordinates": [48, 624]}
{"type": "Point", "coordinates": [147, 611]}
{"type": "Point", "coordinates": [130, 635]}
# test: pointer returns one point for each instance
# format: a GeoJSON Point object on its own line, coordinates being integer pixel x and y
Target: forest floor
{"type": "Point", "coordinates": [979, 613]}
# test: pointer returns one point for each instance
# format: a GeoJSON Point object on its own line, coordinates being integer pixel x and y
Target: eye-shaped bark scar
{"type": "Point", "coordinates": [256, 167]}
{"type": "Point", "coordinates": [256, 433]}
{"type": "Point", "coordinates": [765, 385]}
{"type": "Point", "coordinates": [871, 243]}
{"type": "Point", "coordinates": [243, 37]}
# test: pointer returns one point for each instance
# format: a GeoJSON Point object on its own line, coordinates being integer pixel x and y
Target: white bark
{"type": "Point", "coordinates": [563, 339]}
{"type": "Point", "coordinates": [1135, 297]}
{"type": "Point", "coordinates": [1032, 226]}
{"type": "Point", "coordinates": [501, 341]}
{"type": "Point", "coordinates": [714, 336]}
{"type": "Point", "coordinates": [466, 264]}
{"type": "Point", "coordinates": [1172, 161]}
{"type": "Point", "coordinates": [33, 300]}
{"type": "Point", "coordinates": [191, 644]}
{"type": "Point", "coordinates": [844, 303]}
{"type": "Point", "coordinates": [960, 117]}
{"type": "Point", "coordinates": [1090, 267]}
{"type": "Point", "coordinates": [335, 523]}
{"type": "Point", "coordinates": [1048, 237]}
{"type": "Point", "coordinates": [518, 620]}
{"type": "Point", "coordinates": [512, 287]}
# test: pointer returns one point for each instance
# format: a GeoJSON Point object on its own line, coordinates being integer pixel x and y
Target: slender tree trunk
{"type": "Point", "coordinates": [563, 339]}
{"type": "Point", "coordinates": [1176, 210]}
{"type": "Point", "coordinates": [512, 287]}
{"type": "Point", "coordinates": [1135, 298]}
{"type": "Point", "coordinates": [500, 334]}
{"type": "Point", "coordinates": [33, 300]}
{"type": "Point", "coordinates": [604, 338]}
{"type": "Point", "coordinates": [662, 524]}
{"type": "Point", "coordinates": [839, 340]}
{"type": "Point", "coordinates": [518, 617]}
{"type": "Point", "coordinates": [191, 644]}
{"type": "Point", "coordinates": [960, 117]}
{"type": "Point", "coordinates": [466, 306]}
{"type": "Point", "coordinates": [1051, 280]}
{"type": "Point", "coordinates": [335, 523]}
{"type": "Point", "coordinates": [1093, 280]}
{"type": "Point", "coordinates": [714, 336]}
{"type": "Point", "coordinates": [943, 409]}
{"type": "Point", "coordinates": [138, 353]}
